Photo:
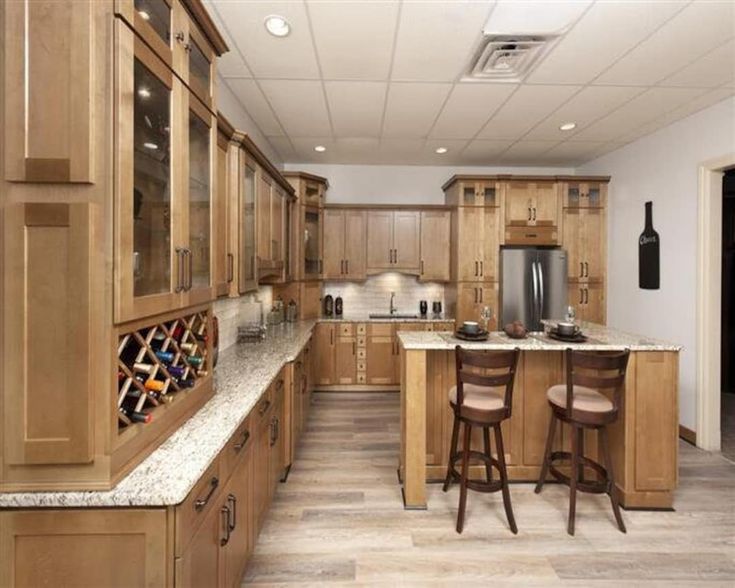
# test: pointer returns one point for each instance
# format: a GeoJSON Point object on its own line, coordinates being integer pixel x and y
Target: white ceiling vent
{"type": "Point", "coordinates": [507, 58]}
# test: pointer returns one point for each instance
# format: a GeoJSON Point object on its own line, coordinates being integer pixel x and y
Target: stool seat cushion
{"type": "Point", "coordinates": [479, 397]}
{"type": "Point", "coordinates": [583, 398]}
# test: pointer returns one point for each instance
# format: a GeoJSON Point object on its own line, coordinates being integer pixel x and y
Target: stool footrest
{"type": "Point", "coordinates": [478, 486]}
{"type": "Point", "coordinates": [589, 486]}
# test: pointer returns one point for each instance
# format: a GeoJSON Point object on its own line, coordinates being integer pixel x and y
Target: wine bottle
{"type": "Point", "coordinates": [166, 356]}
{"type": "Point", "coordinates": [154, 385]}
{"type": "Point", "coordinates": [187, 383]}
{"type": "Point", "coordinates": [145, 368]}
{"type": "Point", "coordinates": [194, 360]}
{"type": "Point", "coordinates": [649, 276]}
{"type": "Point", "coordinates": [188, 347]}
{"type": "Point", "coordinates": [176, 371]}
{"type": "Point", "coordinates": [136, 417]}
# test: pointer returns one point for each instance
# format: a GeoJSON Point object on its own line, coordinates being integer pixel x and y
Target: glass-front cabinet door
{"type": "Point", "coordinates": [152, 20]}
{"type": "Point", "coordinates": [246, 250]}
{"type": "Point", "coordinates": [146, 274]}
{"type": "Point", "coordinates": [312, 243]}
{"type": "Point", "coordinates": [201, 59]}
{"type": "Point", "coordinates": [201, 127]}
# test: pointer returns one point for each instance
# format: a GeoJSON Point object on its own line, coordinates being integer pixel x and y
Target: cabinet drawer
{"type": "Point", "coordinates": [361, 378]}
{"type": "Point", "coordinates": [346, 329]}
{"type": "Point", "coordinates": [362, 329]}
{"type": "Point", "coordinates": [361, 341]}
{"type": "Point", "coordinates": [361, 365]}
{"type": "Point", "coordinates": [236, 447]}
{"type": "Point", "coordinates": [278, 387]}
{"type": "Point", "coordinates": [381, 329]}
{"type": "Point", "coordinates": [262, 407]}
{"type": "Point", "coordinates": [194, 509]}
{"type": "Point", "coordinates": [361, 354]}
{"type": "Point", "coordinates": [531, 236]}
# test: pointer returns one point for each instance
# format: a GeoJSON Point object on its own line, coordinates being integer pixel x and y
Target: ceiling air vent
{"type": "Point", "coordinates": [507, 58]}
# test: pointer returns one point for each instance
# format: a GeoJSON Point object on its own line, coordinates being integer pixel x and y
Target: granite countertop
{"type": "Point", "coordinates": [599, 338]}
{"type": "Point", "coordinates": [365, 318]}
{"type": "Point", "coordinates": [167, 475]}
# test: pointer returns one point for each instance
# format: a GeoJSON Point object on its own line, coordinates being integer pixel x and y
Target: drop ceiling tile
{"type": "Point", "coordinates": [231, 63]}
{"type": "Point", "coordinates": [299, 105]}
{"type": "Point", "coordinates": [528, 149]}
{"type": "Point", "coordinates": [268, 56]}
{"type": "Point", "coordinates": [283, 147]}
{"type": "Point", "coordinates": [591, 103]}
{"type": "Point", "coordinates": [356, 107]}
{"type": "Point", "coordinates": [468, 108]}
{"type": "Point", "coordinates": [484, 152]}
{"type": "Point", "coordinates": [528, 106]}
{"type": "Point", "coordinates": [436, 39]}
{"type": "Point", "coordinates": [641, 110]}
{"type": "Point", "coordinates": [572, 152]}
{"type": "Point", "coordinates": [696, 30]}
{"type": "Point", "coordinates": [255, 104]}
{"type": "Point", "coordinates": [709, 71]}
{"type": "Point", "coordinates": [412, 108]}
{"type": "Point", "coordinates": [601, 36]}
{"type": "Point", "coordinates": [354, 40]}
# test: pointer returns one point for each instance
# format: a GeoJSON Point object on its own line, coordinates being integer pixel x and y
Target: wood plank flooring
{"type": "Point", "coordinates": [339, 520]}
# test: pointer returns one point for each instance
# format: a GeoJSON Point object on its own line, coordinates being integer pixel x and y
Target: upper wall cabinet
{"type": "Point", "coordinates": [165, 150]}
{"type": "Point", "coordinates": [181, 33]}
{"type": "Point", "coordinates": [584, 194]}
{"type": "Point", "coordinates": [393, 240]}
{"type": "Point", "coordinates": [435, 245]}
{"type": "Point", "coordinates": [306, 224]}
{"type": "Point", "coordinates": [344, 244]}
{"type": "Point", "coordinates": [468, 191]}
{"type": "Point", "coordinates": [532, 213]}
{"type": "Point", "coordinates": [222, 258]}
{"type": "Point", "coordinates": [49, 87]}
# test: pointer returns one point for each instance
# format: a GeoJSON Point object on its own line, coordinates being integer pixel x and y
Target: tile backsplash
{"type": "Point", "coordinates": [233, 312]}
{"type": "Point", "coordinates": [373, 295]}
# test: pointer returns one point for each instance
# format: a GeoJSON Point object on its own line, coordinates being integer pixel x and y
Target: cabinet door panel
{"type": "Point", "coordinates": [381, 357]}
{"type": "Point", "coordinates": [435, 246]}
{"type": "Point", "coordinates": [546, 204]}
{"type": "Point", "coordinates": [277, 225]}
{"type": "Point", "coordinates": [49, 251]}
{"type": "Point", "coordinates": [223, 263]}
{"type": "Point", "coordinates": [519, 202]}
{"type": "Point", "coordinates": [591, 243]}
{"type": "Point", "coordinates": [470, 245]}
{"type": "Point", "coordinates": [490, 245]}
{"type": "Point", "coordinates": [406, 239]}
{"type": "Point", "coordinates": [489, 297]}
{"type": "Point", "coordinates": [379, 239]}
{"type": "Point", "coordinates": [396, 348]}
{"type": "Point", "coordinates": [263, 216]}
{"type": "Point", "coordinates": [572, 243]}
{"type": "Point", "coordinates": [468, 302]}
{"type": "Point", "coordinates": [239, 495]}
{"type": "Point", "coordinates": [49, 91]}
{"type": "Point", "coordinates": [355, 245]}
{"type": "Point", "coordinates": [323, 353]}
{"type": "Point", "coordinates": [334, 244]}
{"type": "Point", "coordinates": [312, 245]}
{"type": "Point", "coordinates": [200, 563]}
{"type": "Point", "coordinates": [247, 230]}
{"type": "Point", "coordinates": [346, 359]}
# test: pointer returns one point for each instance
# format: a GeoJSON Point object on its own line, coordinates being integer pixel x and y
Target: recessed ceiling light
{"type": "Point", "coordinates": [320, 148]}
{"type": "Point", "coordinates": [277, 25]}
{"type": "Point", "coordinates": [151, 146]}
{"type": "Point", "coordinates": [144, 15]}
{"type": "Point", "coordinates": [568, 126]}
{"type": "Point", "coordinates": [144, 92]}
{"type": "Point", "coordinates": [441, 150]}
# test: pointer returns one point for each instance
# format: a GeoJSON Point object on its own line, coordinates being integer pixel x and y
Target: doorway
{"type": "Point", "coordinates": [727, 318]}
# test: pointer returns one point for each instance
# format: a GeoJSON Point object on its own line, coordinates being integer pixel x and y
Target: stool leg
{"type": "Point", "coordinates": [580, 447]}
{"type": "Point", "coordinates": [486, 439]}
{"type": "Point", "coordinates": [547, 454]}
{"type": "Point", "coordinates": [573, 480]}
{"type": "Point", "coordinates": [504, 479]}
{"type": "Point", "coordinates": [463, 481]}
{"type": "Point", "coordinates": [611, 488]}
{"type": "Point", "coordinates": [452, 453]}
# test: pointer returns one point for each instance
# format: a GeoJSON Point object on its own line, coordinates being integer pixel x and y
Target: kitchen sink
{"type": "Point", "coordinates": [393, 316]}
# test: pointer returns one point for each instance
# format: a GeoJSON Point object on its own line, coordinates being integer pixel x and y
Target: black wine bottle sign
{"type": "Point", "coordinates": [649, 260]}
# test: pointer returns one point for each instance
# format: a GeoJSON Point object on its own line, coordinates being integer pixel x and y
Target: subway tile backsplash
{"type": "Point", "coordinates": [373, 295]}
{"type": "Point", "coordinates": [233, 312]}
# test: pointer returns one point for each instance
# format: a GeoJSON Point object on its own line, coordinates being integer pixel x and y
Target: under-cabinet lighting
{"type": "Point", "coordinates": [277, 25]}
{"type": "Point", "coordinates": [568, 126]}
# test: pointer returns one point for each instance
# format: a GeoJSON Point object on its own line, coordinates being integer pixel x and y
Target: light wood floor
{"type": "Point", "coordinates": [339, 520]}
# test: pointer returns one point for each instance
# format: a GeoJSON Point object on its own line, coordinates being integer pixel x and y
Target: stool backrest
{"type": "Point", "coordinates": [599, 370]}
{"type": "Point", "coordinates": [503, 364]}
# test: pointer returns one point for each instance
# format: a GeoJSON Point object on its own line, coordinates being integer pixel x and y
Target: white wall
{"type": "Point", "coordinates": [662, 167]}
{"type": "Point", "coordinates": [230, 106]}
{"type": "Point", "coordinates": [399, 184]}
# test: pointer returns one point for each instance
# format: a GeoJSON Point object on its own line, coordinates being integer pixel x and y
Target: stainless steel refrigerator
{"type": "Point", "coordinates": [533, 285]}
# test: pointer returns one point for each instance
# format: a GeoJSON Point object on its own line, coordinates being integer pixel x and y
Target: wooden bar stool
{"type": "Point", "coordinates": [481, 399]}
{"type": "Point", "coordinates": [580, 405]}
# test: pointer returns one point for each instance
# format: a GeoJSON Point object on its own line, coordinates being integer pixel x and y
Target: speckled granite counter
{"type": "Point", "coordinates": [365, 318]}
{"type": "Point", "coordinates": [167, 475]}
{"type": "Point", "coordinates": [599, 338]}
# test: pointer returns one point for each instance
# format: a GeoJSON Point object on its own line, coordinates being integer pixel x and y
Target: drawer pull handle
{"type": "Point", "coordinates": [202, 502]}
{"type": "Point", "coordinates": [232, 503]}
{"type": "Point", "coordinates": [225, 515]}
{"type": "Point", "coordinates": [238, 446]}
{"type": "Point", "coordinates": [279, 384]}
{"type": "Point", "coordinates": [263, 407]}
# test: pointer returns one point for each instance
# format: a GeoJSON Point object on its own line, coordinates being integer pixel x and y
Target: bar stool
{"type": "Point", "coordinates": [481, 399]}
{"type": "Point", "coordinates": [580, 405]}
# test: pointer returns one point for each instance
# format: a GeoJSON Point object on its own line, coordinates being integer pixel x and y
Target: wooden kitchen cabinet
{"type": "Point", "coordinates": [532, 213]}
{"type": "Point", "coordinates": [324, 357]}
{"type": "Point", "coordinates": [240, 538]}
{"type": "Point", "coordinates": [435, 246]}
{"type": "Point", "coordinates": [584, 193]}
{"type": "Point", "coordinates": [472, 191]}
{"type": "Point", "coordinates": [476, 245]}
{"type": "Point", "coordinates": [223, 258]}
{"type": "Point", "coordinates": [588, 300]}
{"type": "Point", "coordinates": [584, 241]}
{"type": "Point", "coordinates": [393, 240]}
{"type": "Point", "coordinates": [346, 354]}
{"type": "Point", "coordinates": [381, 354]}
{"type": "Point", "coordinates": [345, 246]}
{"type": "Point", "coordinates": [467, 299]}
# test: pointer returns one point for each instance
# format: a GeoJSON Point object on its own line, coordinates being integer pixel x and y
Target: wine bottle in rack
{"type": "Point", "coordinates": [200, 336]}
{"type": "Point", "coordinates": [187, 382]}
{"type": "Point", "coordinates": [154, 385]}
{"type": "Point", "coordinates": [130, 353]}
{"type": "Point", "coordinates": [136, 417]}
{"type": "Point", "coordinates": [165, 356]}
{"type": "Point", "coordinates": [188, 347]}
{"type": "Point", "coordinates": [194, 360]}
{"type": "Point", "coordinates": [145, 368]}
{"type": "Point", "coordinates": [176, 371]}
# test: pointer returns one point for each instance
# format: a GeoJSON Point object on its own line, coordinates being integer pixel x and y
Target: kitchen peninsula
{"type": "Point", "coordinates": [644, 438]}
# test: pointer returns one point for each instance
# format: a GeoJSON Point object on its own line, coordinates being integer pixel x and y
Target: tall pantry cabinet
{"type": "Point", "coordinates": [109, 174]}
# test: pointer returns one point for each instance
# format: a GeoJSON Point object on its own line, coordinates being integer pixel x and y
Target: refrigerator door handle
{"type": "Point", "coordinates": [534, 300]}
{"type": "Point", "coordinates": [540, 291]}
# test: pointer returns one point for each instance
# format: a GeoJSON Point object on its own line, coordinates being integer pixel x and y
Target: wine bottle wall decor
{"type": "Point", "coordinates": [649, 254]}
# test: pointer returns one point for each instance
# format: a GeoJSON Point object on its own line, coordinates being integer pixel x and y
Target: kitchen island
{"type": "Point", "coordinates": [643, 440]}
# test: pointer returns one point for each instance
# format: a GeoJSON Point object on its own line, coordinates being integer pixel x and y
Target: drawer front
{"type": "Point", "coordinates": [362, 378]}
{"type": "Point", "coordinates": [381, 329]}
{"type": "Point", "coordinates": [346, 329]}
{"type": "Point", "coordinates": [531, 236]}
{"type": "Point", "coordinates": [194, 509]}
{"type": "Point", "coordinates": [361, 341]}
{"type": "Point", "coordinates": [237, 447]}
{"type": "Point", "coordinates": [361, 354]}
{"type": "Point", "coordinates": [362, 329]}
{"type": "Point", "coordinates": [262, 407]}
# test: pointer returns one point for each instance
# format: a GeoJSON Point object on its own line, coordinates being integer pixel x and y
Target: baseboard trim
{"type": "Point", "coordinates": [688, 435]}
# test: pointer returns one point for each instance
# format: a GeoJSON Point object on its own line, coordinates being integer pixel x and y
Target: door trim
{"type": "Point", "coordinates": [709, 295]}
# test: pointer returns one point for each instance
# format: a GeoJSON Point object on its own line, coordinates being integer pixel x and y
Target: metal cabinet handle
{"type": "Point", "coordinates": [232, 503]}
{"type": "Point", "coordinates": [586, 296]}
{"type": "Point", "coordinates": [264, 407]}
{"type": "Point", "coordinates": [482, 295]}
{"type": "Point", "coordinates": [422, 267]}
{"type": "Point", "coordinates": [179, 270]}
{"type": "Point", "coordinates": [482, 268]}
{"type": "Point", "coordinates": [225, 515]}
{"type": "Point", "coordinates": [230, 267]}
{"type": "Point", "coordinates": [354, 348]}
{"type": "Point", "coordinates": [279, 385]}
{"type": "Point", "coordinates": [534, 213]}
{"type": "Point", "coordinates": [341, 266]}
{"type": "Point", "coordinates": [347, 266]}
{"type": "Point", "coordinates": [581, 269]}
{"type": "Point", "coordinates": [240, 444]}
{"type": "Point", "coordinates": [586, 270]}
{"type": "Point", "coordinates": [202, 502]}
{"type": "Point", "coordinates": [529, 213]}
{"type": "Point", "coordinates": [477, 269]}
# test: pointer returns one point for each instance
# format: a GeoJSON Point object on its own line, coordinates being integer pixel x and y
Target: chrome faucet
{"type": "Point", "coordinates": [393, 308]}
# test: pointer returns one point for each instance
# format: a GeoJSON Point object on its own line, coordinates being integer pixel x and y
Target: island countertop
{"type": "Point", "coordinates": [599, 338]}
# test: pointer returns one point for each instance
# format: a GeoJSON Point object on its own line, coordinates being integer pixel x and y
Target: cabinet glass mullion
{"type": "Point", "coordinates": [247, 229]}
{"type": "Point", "coordinates": [200, 200]}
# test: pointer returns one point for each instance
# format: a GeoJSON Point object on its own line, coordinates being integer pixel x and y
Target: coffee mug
{"type": "Point", "coordinates": [470, 327]}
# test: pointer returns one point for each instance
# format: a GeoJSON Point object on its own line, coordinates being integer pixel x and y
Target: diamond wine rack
{"type": "Point", "coordinates": [157, 363]}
